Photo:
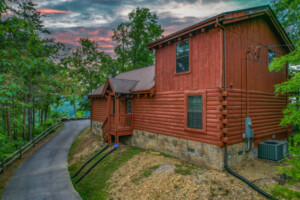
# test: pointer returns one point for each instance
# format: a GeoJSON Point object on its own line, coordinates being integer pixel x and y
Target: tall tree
{"type": "Point", "coordinates": [288, 14]}
{"type": "Point", "coordinates": [89, 69]}
{"type": "Point", "coordinates": [133, 36]}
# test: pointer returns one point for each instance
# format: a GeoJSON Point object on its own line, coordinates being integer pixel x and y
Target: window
{"type": "Point", "coordinates": [194, 111]}
{"type": "Point", "coordinates": [271, 56]}
{"type": "Point", "coordinates": [113, 106]}
{"type": "Point", "coordinates": [182, 56]}
{"type": "Point", "coordinates": [128, 106]}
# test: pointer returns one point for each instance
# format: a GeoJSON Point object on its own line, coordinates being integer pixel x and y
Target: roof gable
{"type": "Point", "coordinates": [141, 79]}
{"type": "Point", "coordinates": [226, 18]}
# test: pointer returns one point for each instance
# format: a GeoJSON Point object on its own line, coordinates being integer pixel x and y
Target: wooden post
{"type": "Point", "coordinates": [20, 152]}
{"type": "Point", "coordinates": [33, 142]}
{"type": "Point", "coordinates": [117, 115]}
{"type": "Point", "coordinates": [108, 118]}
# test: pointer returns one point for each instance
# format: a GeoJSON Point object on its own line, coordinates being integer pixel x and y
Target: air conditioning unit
{"type": "Point", "coordinates": [273, 149]}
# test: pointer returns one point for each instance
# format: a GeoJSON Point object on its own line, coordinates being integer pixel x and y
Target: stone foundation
{"type": "Point", "coordinates": [198, 153]}
{"type": "Point", "coordinates": [96, 128]}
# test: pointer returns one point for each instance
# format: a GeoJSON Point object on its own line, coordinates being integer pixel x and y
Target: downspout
{"type": "Point", "coordinates": [225, 144]}
{"type": "Point", "coordinates": [248, 140]}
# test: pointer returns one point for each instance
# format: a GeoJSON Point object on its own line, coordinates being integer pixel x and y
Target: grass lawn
{"type": "Point", "coordinates": [95, 185]}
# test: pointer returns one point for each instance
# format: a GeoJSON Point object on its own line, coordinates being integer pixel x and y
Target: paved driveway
{"type": "Point", "coordinates": [45, 173]}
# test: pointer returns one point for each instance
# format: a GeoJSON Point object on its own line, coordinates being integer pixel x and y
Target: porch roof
{"type": "Point", "coordinates": [131, 81]}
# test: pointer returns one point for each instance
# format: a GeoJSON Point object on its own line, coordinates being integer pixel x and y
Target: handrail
{"type": "Point", "coordinates": [17, 154]}
{"type": "Point", "coordinates": [124, 121]}
{"type": "Point", "coordinates": [104, 129]}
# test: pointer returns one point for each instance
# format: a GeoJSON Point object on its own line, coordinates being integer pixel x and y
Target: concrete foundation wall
{"type": "Point", "coordinates": [96, 128]}
{"type": "Point", "coordinates": [201, 154]}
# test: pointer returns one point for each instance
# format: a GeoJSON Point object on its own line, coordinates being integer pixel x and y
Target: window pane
{"type": "Point", "coordinates": [271, 55]}
{"type": "Point", "coordinates": [128, 105]}
{"type": "Point", "coordinates": [182, 64]}
{"type": "Point", "coordinates": [182, 49]}
{"type": "Point", "coordinates": [194, 111]}
{"type": "Point", "coordinates": [182, 57]}
{"type": "Point", "coordinates": [113, 106]}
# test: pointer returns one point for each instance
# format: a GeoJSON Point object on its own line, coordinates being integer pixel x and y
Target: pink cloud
{"type": "Point", "coordinates": [106, 46]}
{"type": "Point", "coordinates": [173, 28]}
{"type": "Point", "coordinates": [53, 11]}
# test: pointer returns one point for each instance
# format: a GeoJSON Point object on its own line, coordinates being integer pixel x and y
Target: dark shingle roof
{"type": "Point", "coordinates": [135, 80]}
{"type": "Point", "coordinates": [96, 92]}
{"type": "Point", "coordinates": [144, 76]}
{"type": "Point", "coordinates": [122, 86]}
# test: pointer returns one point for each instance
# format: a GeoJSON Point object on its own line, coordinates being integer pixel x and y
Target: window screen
{"type": "Point", "coordinates": [194, 111]}
{"type": "Point", "coordinates": [271, 56]}
{"type": "Point", "coordinates": [182, 57]}
{"type": "Point", "coordinates": [128, 106]}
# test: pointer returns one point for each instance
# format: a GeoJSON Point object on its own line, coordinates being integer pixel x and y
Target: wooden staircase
{"type": "Point", "coordinates": [117, 125]}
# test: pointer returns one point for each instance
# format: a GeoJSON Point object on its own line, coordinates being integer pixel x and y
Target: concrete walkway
{"type": "Point", "coordinates": [45, 173]}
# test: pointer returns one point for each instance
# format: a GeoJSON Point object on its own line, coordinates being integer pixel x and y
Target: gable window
{"type": "Point", "coordinates": [271, 56]}
{"type": "Point", "coordinates": [128, 106]}
{"type": "Point", "coordinates": [194, 112]}
{"type": "Point", "coordinates": [182, 56]}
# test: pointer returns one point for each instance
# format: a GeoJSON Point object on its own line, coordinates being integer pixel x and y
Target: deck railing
{"type": "Point", "coordinates": [124, 121]}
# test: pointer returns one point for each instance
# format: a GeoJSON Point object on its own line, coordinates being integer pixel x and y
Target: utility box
{"type": "Point", "coordinates": [273, 149]}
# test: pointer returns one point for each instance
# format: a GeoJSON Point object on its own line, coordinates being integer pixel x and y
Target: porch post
{"type": "Point", "coordinates": [108, 117]}
{"type": "Point", "coordinates": [117, 115]}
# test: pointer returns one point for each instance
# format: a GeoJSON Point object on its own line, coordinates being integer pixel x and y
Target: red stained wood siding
{"type": "Point", "coordinates": [264, 108]}
{"type": "Point", "coordinates": [164, 114]}
{"type": "Point", "coordinates": [99, 110]}
{"type": "Point", "coordinates": [205, 64]}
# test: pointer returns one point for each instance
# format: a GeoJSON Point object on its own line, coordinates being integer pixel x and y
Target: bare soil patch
{"type": "Point", "coordinates": [150, 175]}
{"type": "Point", "coordinates": [88, 143]}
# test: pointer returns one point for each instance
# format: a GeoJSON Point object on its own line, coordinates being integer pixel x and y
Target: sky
{"type": "Point", "coordinates": [68, 20]}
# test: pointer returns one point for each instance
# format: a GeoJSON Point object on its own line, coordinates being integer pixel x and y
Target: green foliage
{"type": "Point", "coordinates": [285, 193]}
{"type": "Point", "coordinates": [30, 79]}
{"type": "Point", "coordinates": [6, 146]}
{"type": "Point", "coordinates": [89, 69]}
{"type": "Point", "coordinates": [292, 168]}
{"type": "Point", "coordinates": [132, 38]}
{"type": "Point", "coordinates": [287, 12]}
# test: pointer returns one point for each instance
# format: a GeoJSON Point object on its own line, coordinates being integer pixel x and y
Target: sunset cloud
{"type": "Point", "coordinates": [53, 11]}
{"type": "Point", "coordinates": [95, 19]}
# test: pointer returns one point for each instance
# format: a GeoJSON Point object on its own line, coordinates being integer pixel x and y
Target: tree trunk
{"type": "Point", "coordinates": [24, 120]}
{"type": "Point", "coordinates": [75, 111]}
{"type": "Point", "coordinates": [8, 121]}
{"type": "Point", "coordinates": [42, 117]}
{"type": "Point", "coordinates": [46, 113]}
{"type": "Point", "coordinates": [29, 120]}
{"type": "Point", "coordinates": [33, 115]}
{"type": "Point", "coordinates": [13, 118]}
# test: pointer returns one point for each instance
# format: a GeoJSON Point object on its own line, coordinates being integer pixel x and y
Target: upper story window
{"type": "Point", "coordinates": [182, 56]}
{"type": "Point", "coordinates": [194, 112]}
{"type": "Point", "coordinates": [271, 56]}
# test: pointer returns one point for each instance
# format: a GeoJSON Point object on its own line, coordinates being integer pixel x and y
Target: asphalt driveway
{"type": "Point", "coordinates": [45, 173]}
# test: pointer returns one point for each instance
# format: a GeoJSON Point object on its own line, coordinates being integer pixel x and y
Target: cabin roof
{"type": "Point", "coordinates": [226, 18]}
{"type": "Point", "coordinates": [131, 81]}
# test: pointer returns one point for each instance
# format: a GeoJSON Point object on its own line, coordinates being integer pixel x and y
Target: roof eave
{"type": "Point", "coordinates": [185, 31]}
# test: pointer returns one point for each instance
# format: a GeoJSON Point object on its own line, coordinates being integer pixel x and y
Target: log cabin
{"type": "Point", "coordinates": [210, 87]}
